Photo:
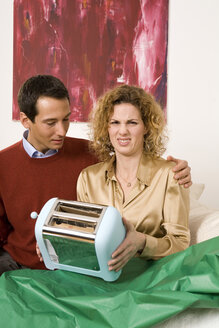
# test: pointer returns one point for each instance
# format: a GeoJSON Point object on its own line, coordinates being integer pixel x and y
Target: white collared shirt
{"type": "Point", "coordinates": [33, 152]}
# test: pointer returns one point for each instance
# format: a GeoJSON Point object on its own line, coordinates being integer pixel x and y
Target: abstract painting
{"type": "Point", "coordinates": [92, 45]}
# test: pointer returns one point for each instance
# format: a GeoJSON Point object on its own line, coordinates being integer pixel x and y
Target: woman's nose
{"type": "Point", "coordinates": [123, 129]}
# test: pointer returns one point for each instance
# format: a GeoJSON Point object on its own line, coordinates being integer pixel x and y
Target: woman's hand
{"type": "Point", "coordinates": [133, 242]}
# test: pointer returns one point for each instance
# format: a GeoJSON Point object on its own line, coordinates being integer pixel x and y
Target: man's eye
{"type": "Point", "coordinates": [66, 119]}
{"type": "Point", "coordinates": [50, 123]}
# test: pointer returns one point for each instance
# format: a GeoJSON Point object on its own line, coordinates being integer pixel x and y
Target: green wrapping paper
{"type": "Point", "coordinates": [147, 293]}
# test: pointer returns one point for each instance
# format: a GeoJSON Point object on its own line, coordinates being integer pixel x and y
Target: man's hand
{"type": "Point", "coordinates": [39, 253]}
{"type": "Point", "coordinates": [133, 242]}
{"type": "Point", "coordinates": [182, 171]}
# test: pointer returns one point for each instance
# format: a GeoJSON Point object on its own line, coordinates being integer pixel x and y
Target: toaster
{"type": "Point", "coordinates": [79, 237]}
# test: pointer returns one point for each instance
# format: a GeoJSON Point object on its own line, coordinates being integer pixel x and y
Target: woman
{"type": "Point", "coordinates": [129, 136]}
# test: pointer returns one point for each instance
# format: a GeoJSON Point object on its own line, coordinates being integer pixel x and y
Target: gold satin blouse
{"type": "Point", "coordinates": [157, 205]}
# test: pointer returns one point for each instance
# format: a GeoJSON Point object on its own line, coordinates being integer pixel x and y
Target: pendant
{"type": "Point", "coordinates": [129, 184]}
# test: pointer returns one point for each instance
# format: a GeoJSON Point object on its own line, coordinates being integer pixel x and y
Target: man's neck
{"type": "Point", "coordinates": [32, 151]}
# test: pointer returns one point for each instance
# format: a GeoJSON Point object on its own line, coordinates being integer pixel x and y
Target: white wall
{"type": "Point", "coordinates": [193, 90]}
{"type": "Point", "coordinates": [193, 102]}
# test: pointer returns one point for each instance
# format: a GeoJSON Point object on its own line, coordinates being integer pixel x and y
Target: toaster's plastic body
{"type": "Point", "coordinates": [79, 237]}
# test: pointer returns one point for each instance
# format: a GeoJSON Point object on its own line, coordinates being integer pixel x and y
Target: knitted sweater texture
{"type": "Point", "coordinates": [26, 184]}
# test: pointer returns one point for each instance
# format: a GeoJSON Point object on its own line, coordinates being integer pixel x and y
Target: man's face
{"type": "Point", "coordinates": [51, 124]}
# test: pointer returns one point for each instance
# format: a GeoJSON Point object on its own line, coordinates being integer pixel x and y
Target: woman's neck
{"type": "Point", "coordinates": [126, 172]}
{"type": "Point", "coordinates": [126, 166]}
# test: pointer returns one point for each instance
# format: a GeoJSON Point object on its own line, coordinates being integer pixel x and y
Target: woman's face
{"type": "Point", "coordinates": [126, 130]}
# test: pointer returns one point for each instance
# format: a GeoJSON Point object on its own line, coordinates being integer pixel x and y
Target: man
{"type": "Point", "coordinates": [44, 164]}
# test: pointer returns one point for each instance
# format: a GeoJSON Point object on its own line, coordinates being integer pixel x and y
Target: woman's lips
{"type": "Point", "coordinates": [123, 142]}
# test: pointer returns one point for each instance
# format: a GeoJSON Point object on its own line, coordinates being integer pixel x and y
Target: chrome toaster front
{"type": "Point", "coordinates": [79, 237]}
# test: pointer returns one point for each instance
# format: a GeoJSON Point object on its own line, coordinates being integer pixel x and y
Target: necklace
{"type": "Point", "coordinates": [128, 183]}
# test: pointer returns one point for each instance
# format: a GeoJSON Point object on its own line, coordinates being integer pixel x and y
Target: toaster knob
{"type": "Point", "coordinates": [34, 215]}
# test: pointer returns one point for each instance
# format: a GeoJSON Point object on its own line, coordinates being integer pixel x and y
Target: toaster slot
{"type": "Point", "coordinates": [79, 209]}
{"type": "Point", "coordinates": [72, 224]}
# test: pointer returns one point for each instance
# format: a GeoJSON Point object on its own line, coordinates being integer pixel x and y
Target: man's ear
{"type": "Point", "coordinates": [25, 121]}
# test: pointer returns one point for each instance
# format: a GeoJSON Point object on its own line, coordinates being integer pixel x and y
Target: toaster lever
{"type": "Point", "coordinates": [34, 215]}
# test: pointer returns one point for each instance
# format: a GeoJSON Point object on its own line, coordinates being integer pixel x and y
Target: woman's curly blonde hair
{"type": "Point", "coordinates": [151, 114]}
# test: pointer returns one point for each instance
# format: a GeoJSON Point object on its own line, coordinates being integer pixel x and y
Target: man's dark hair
{"type": "Point", "coordinates": [36, 87]}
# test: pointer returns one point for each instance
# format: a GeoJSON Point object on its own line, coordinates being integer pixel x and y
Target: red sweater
{"type": "Point", "coordinates": [27, 183]}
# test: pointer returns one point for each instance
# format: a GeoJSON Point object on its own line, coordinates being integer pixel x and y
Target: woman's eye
{"type": "Point", "coordinates": [114, 122]}
{"type": "Point", "coordinates": [133, 123]}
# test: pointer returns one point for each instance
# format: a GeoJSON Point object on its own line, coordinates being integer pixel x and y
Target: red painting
{"type": "Point", "coordinates": [91, 45]}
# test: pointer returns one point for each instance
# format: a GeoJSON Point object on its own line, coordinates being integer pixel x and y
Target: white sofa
{"type": "Point", "coordinates": [203, 221]}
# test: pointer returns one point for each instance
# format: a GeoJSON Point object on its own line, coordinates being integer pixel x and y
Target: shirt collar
{"type": "Point", "coordinates": [110, 169]}
{"type": "Point", "coordinates": [145, 171]}
{"type": "Point", "coordinates": [33, 152]}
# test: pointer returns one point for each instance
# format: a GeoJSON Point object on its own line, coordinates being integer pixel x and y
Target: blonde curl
{"type": "Point", "coordinates": [151, 113]}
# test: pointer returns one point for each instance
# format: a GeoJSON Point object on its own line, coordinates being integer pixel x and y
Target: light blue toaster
{"type": "Point", "coordinates": [79, 237]}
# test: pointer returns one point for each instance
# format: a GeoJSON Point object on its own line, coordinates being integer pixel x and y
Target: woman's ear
{"type": "Point", "coordinates": [25, 121]}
